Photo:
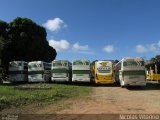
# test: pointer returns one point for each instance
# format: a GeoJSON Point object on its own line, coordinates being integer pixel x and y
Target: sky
{"type": "Point", "coordinates": [93, 29]}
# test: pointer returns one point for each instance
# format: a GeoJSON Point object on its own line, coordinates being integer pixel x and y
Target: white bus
{"type": "Point", "coordinates": [18, 71]}
{"type": "Point", "coordinates": [81, 71]}
{"type": "Point", "coordinates": [130, 72]}
{"type": "Point", "coordinates": [61, 70]}
{"type": "Point", "coordinates": [39, 71]}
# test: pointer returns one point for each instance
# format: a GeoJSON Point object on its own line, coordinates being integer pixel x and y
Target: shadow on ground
{"type": "Point", "coordinates": [88, 84]}
{"type": "Point", "coordinates": [149, 86]}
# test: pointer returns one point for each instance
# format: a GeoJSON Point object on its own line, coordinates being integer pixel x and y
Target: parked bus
{"type": "Point", "coordinates": [18, 71]}
{"type": "Point", "coordinates": [61, 70]}
{"type": "Point", "coordinates": [103, 72]}
{"type": "Point", "coordinates": [81, 70]}
{"type": "Point", "coordinates": [130, 72]}
{"type": "Point", "coordinates": [153, 71]}
{"type": "Point", "coordinates": [39, 71]}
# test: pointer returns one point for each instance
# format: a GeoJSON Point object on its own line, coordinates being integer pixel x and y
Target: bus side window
{"type": "Point", "coordinates": [124, 63]}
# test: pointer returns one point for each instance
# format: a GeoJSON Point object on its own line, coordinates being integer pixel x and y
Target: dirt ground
{"type": "Point", "coordinates": [106, 99]}
{"type": "Point", "coordinates": [117, 100]}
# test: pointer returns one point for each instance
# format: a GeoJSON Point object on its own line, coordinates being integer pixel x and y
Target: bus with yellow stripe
{"type": "Point", "coordinates": [103, 72]}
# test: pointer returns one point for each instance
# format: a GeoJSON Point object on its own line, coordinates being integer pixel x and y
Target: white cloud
{"type": "Point", "coordinates": [61, 45]}
{"type": "Point", "coordinates": [109, 48]}
{"type": "Point", "coordinates": [86, 52]}
{"type": "Point", "coordinates": [141, 49]}
{"type": "Point", "coordinates": [153, 47]}
{"type": "Point", "coordinates": [78, 47]}
{"type": "Point", "coordinates": [64, 45]}
{"type": "Point", "coordinates": [54, 25]}
{"type": "Point", "coordinates": [159, 43]}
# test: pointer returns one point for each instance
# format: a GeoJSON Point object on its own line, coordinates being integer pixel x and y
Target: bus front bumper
{"type": "Point", "coordinates": [35, 79]}
{"type": "Point", "coordinates": [105, 81]}
{"type": "Point", "coordinates": [135, 83]}
{"type": "Point", "coordinates": [81, 79]}
{"type": "Point", "coordinates": [59, 79]}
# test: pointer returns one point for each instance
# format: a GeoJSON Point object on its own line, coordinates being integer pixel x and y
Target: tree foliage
{"type": "Point", "coordinates": [3, 35]}
{"type": "Point", "coordinates": [116, 61]}
{"type": "Point", "coordinates": [156, 59]}
{"type": "Point", "coordinates": [23, 39]}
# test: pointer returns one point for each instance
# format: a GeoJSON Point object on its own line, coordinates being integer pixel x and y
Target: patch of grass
{"type": "Point", "coordinates": [13, 97]}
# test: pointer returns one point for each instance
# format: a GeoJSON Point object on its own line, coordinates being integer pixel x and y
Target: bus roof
{"type": "Point", "coordinates": [37, 62]}
{"type": "Point", "coordinates": [137, 58]}
{"type": "Point", "coordinates": [81, 60]}
{"type": "Point", "coordinates": [60, 60]}
{"type": "Point", "coordinates": [18, 61]}
{"type": "Point", "coordinates": [129, 58]}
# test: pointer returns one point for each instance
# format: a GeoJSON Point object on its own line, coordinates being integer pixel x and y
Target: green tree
{"type": "Point", "coordinates": [155, 59]}
{"type": "Point", "coordinates": [116, 61]}
{"type": "Point", "coordinates": [3, 35]}
{"type": "Point", "coordinates": [3, 43]}
{"type": "Point", "coordinates": [29, 41]}
{"type": "Point", "coordinates": [23, 39]}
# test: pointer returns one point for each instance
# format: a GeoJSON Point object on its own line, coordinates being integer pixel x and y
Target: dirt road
{"type": "Point", "coordinates": [104, 100]}
{"type": "Point", "coordinates": [112, 99]}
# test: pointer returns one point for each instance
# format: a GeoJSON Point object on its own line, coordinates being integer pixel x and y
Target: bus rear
{"type": "Point", "coordinates": [61, 70]}
{"type": "Point", "coordinates": [104, 72]}
{"type": "Point", "coordinates": [18, 71]}
{"type": "Point", "coordinates": [132, 72]}
{"type": "Point", "coordinates": [81, 71]}
{"type": "Point", "coordinates": [39, 71]}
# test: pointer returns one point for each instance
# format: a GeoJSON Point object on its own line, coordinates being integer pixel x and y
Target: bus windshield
{"type": "Point", "coordinates": [133, 63]}
{"type": "Point", "coordinates": [58, 64]}
{"type": "Point", "coordinates": [81, 63]}
{"type": "Point", "coordinates": [35, 66]}
{"type": "Point", "coordinates": [14, 64]}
